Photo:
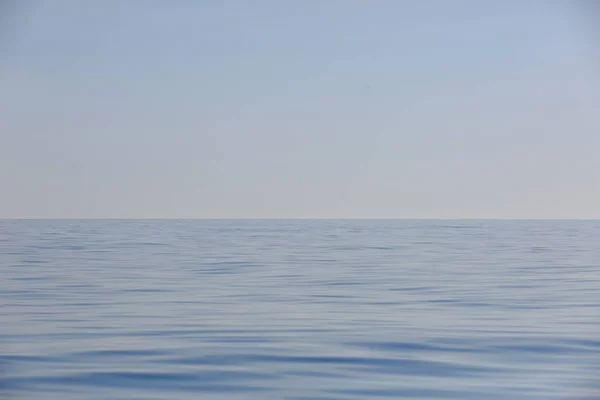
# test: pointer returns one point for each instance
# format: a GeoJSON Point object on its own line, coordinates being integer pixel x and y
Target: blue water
{"type": "Point", "coordinates": [299, 310]}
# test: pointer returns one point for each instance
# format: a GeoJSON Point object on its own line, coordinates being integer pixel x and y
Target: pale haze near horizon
{"type": "Point", "coordinates": [269, 109]}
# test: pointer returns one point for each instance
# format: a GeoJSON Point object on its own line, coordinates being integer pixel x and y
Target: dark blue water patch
{"type": "Point", "coordinates": [293, 276]}
{"type": "Point", "coordinates": [96, 304]}
{"type": "Point", "coordinates": [32, 278]}
{"type": "Point", "coordinates": [587, 344]}
{"type": "Point", "coordinates": [541, 269]}
{"type": "Point", "coordinates": [443, 301]}
{"type": "Point", "coordinates": [219, 271]}
{"type": "Point", "coordinates": [312, 374]}
{"type": "Point", "coordinates": [420, 368]}
{"type": "Point", "coordinates": [153, 290]}
{"type": "Point", "coordinates": [346, 249]}
{"type": "Point", "coordinates": [589, 305]}
{"type": "Point", "coordinates": [518, 286]}
{"type": "Point", "coordinates": [539, 249]}
{"type": "Point", "coordinates": [79, 286]}
{"type": "Point", "coordinates": [79, 334]}
{"type": "Point", "coordinates": [34, 314]}
{"type": "Point", "coordinates": [314, 359]}
{"type": "Point", "coordinates": [312, 398]}
{"type": "Point", "coordinates": [238, 338]}
{"type": "Point", "coordinates": [210, 360]}
{"type": "Point", "coordinates": [399, 365]}
{"type": "Point", "coordinates": [403, 347]}
{"type": "Point", "coordinates": [416, 393]}
{"type": "Point", "coordinates": [20, 292]}
{"type": "Point", "coordinates": [74, 321]}
{"type": "Point", "coordinates": [205, 381]}
{"type": "Point", "coordinates": [122, 353]}
{"type": "Point", "coordinates": [463, 304]}
{"type": "Point", "coordinates": [16, 358]}
{"type": "Point", "coordinates": [545, 346]}
{"type": "Point", "coordinates": [225, 267]}
{"type": "Point", "coordinates": [211, 332]}
{"type": "Point", "coordinates": [456, 226]}
{"type": "Point", "coordinates": [385, 303]}
{"type": "Point", "coordinates": [414, 289]}
{"type": "Point", "coordinates": [343, 283]}
{"type": "Point", "coordinates": [72, 247]}
{"type": "Point", "coordinates": [36, 296]}
{"type": "Point", "coordinates": [331, 296]}
{"type": "Point", "coordinates": [41, 247]}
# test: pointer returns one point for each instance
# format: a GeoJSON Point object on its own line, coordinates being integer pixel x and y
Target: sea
{"type": "Point", "coordinates": [299, 309]}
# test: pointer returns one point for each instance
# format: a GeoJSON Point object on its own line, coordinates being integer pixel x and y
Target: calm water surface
{"type": "Point", "coordinates": [299, 310]}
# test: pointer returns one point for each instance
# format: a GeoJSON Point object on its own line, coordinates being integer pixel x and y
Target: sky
{"type": "Point", "coordinates": [299, 109]}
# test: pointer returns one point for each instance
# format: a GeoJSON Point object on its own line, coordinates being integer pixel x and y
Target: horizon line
{"type": "Point", "coordinates": [291, 219]}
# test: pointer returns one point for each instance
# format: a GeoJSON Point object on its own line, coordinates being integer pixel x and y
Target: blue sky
{"type": "Point", "coordinates": [307, 109]}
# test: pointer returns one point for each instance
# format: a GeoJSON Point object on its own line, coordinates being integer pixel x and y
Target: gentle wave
{"type": "Point", "coordinates": [303, 310]}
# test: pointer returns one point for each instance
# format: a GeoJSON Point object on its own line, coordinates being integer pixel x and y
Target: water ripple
{"type": "Point", "coordinates": [299, 310]}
